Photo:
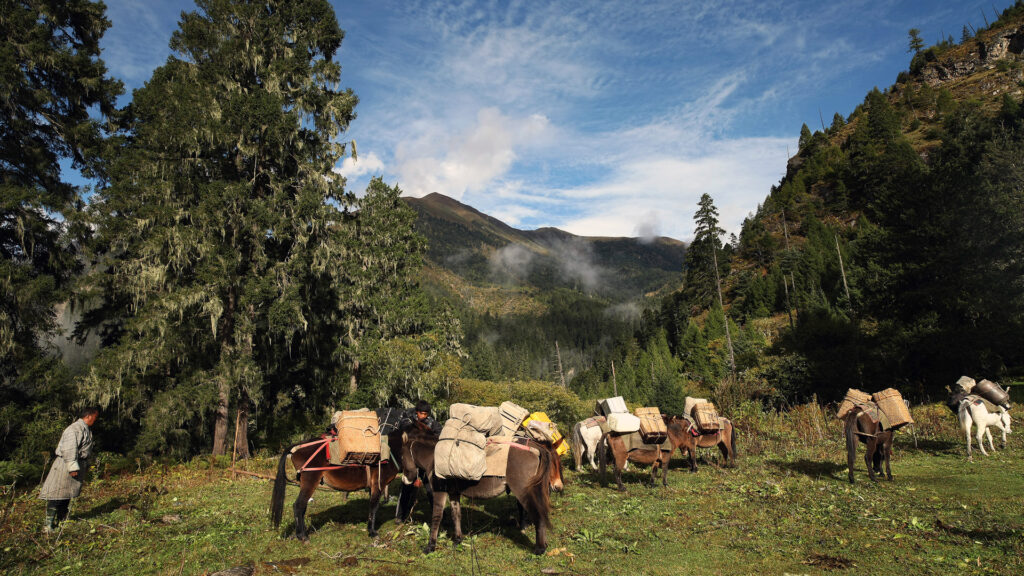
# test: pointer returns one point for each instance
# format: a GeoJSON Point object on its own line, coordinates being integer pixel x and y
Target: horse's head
{"type": "Point", "coordinates": [1004, 417]}
{"type": "Point", "coordinates": [555, 476]}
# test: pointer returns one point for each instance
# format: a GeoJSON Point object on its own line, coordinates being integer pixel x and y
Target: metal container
{"type": "Point", "coordinates": [993, 393]}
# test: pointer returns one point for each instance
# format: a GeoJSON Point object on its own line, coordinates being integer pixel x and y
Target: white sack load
{"type": "Point", "coordinates": [966, 383]}
{"type": "Point", "coordinates": [614, 405]}
{"type": "Point", "coordinates": [484, 419]}
{"type": "Point", "coordinates": [460, 451]}
{"type": "Point", "coordinates": [623, 423]}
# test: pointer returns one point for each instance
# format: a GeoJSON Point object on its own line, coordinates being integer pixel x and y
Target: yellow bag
{"type": "Point", "coordinates": [542, 428]}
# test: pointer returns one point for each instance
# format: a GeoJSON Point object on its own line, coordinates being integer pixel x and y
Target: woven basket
{"type": "Point", "coordinates": [853, 397]}
{"type": "Point", "coordinates": [358, 441]}
{"type": "Point", "coordinates": [891, 403]}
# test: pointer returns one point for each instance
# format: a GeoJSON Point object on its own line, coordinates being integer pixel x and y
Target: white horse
{"type": "Point", "coordinates": [975, 412]}
{"type": "Point", "coordinates": [584, 441]}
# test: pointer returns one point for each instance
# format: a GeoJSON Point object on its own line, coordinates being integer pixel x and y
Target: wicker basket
{"type": "Point", "coordinates": [853, 397]}
{"type": "Point", "coordinates": [891, 403]}
{"type": "Point", "coordinates": [652, 426]}
{"type": "Point", "coordinates": [358, 441]}
{"type": "Point", "coordinates": [706, 416]}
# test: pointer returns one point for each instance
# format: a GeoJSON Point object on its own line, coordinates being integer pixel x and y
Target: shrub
{"type": "Point", "coordinates": [563, 406]}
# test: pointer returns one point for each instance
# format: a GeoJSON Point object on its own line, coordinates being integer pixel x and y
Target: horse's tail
{"type": "Point", "coordinates": [576, 444]}
{"type": "Point", "coordinates": [277, 496]}
{"type": "Point", "coordinates": [603, 453]}
{"type": "Point", "coordinates": [732, 438]}
{"type": "Point", "coordinates": [538, 488]}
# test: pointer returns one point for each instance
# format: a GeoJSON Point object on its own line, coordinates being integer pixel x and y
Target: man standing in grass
{"type": "Point", "coordinates": [65, 479]}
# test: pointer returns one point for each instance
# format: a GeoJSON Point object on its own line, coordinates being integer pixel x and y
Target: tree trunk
{"type": "Point", "coordinates": [242, 429]}
{"type": "Point", "coordinates": [220, 419]}
{"type": "Point", "coordinates": [728, 336]}
{"type": "Point", "coordinates": [353, 379]}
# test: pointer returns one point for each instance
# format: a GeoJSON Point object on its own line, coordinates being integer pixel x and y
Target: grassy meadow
{"type": "Point", "coordinates": [787, 508]}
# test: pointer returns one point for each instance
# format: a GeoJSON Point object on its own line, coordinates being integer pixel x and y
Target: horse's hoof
{"type": "Point", "coordinates": [539, 550]}
{"type": "Point", "coordinates": [428, 549]}
{"type": "Point", "coordinates": [457, 540]}
{"type": "Point", "coordinates": [372, 534]}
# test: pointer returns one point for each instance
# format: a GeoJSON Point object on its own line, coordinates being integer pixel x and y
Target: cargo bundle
{"type": "Point", "coordinates": [852, 399]}
{"type": "Point", "coordinates": [652, 426]}
{"type": "Point", "coordinates": [891, 403]}
{"type": "Point", "coordinates": [358, 442]}
{"type": "Point", "coordinates": [512, 416]}
{"type": "Point", "coordinates": [542, 429]}
{"type": "Point", "coordinates": [706, 417]}
{"type": "Point", "coordinates": [993, 393]}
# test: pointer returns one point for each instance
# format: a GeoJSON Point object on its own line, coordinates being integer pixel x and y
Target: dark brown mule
{"type": "Point", "coordinates": [680, 432]}
{"type": "Point", "coordinates": [654, 458]}
{"type": "Point", "coordinates": [878, 444]}
{"type": "Point", "coordinates": [531, 475]}
{"type": "Point", "coordinates": [313, 465]}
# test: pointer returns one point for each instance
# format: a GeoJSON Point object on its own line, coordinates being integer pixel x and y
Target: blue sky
{"type": "Point", "coordinates": [599, 118]}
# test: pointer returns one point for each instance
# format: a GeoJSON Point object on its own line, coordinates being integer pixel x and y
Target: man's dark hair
{"type": "Point", "coordinates": [88, 411]}
{"type": "Point", "coordinates": [423, 406]}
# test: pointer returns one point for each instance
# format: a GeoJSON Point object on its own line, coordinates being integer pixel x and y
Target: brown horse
{"type": "Point", "coordinates": [860, 427]}
{"type": "Point", "coordinates": [654, 457]}
{"type": "Point", "coordinates": [531, 475]}
{"type": "Point", "coordinates": [313, 466]}
{"type": "Point", "coordinates": [681, 433]}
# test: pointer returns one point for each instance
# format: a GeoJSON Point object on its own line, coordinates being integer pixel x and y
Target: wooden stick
{"type": "Point", "coordinates": [234, 445]}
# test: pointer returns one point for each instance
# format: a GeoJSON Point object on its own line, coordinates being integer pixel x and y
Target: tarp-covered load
{"type": "Point", "coordinates": [652, 426]}
{"type": "Point", "coordinates": [895, 410]}
{"type": "Point", "coordinates": [623, 423]}
{"type": "Point", "coordinates": [512, 416]}
{"type": "Point", "coordinates": [358, 441]}
{"type": "Point", "coordinates": [460, 451]}
{"type": "Point", "coordinates": [610, 406]}
{"type": "Point", "coordinates": [965, 384]}
{"type": "Point", "coordinates": [542, 429]}
{"type": "Point", "coordinates": [485, 419]}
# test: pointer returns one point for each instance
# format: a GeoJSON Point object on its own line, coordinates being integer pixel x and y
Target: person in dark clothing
{"type": "Point", "coordinates": [407, 499]}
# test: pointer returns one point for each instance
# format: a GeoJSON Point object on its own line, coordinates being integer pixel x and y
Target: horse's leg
{"type": "Point", "coordinates": [620, 463]}
{"type": "Point", "coordinates": [375, 496]}
{"type": "Point", "coordinates": [981, 437]}
{"type": "Point", "coordinates": [888, 457]}
{"type": "Point", "coordinates": [440, 499]}
{"type": "Point", "coordinates": [540, 535]}
{"type": "Point", "coordinates": [965, 426]}
{"type": "Point", "coordinates": [988, 434]}
{"type": "Point", "coordinates": [851, 445]}
{"type": "Point", "coordinates": [869, 456]}
{"type": "Point", "coordinates": [664, 468]}
{"type": "Point", "coordinates": [457, 516]}
{"type": "Point", "coordinates": [307, 484]}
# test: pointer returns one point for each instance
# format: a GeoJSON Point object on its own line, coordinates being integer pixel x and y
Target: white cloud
{"type": "Point", "coordinates": [367, 165]}
{"type": "Point", "coordinates": [436, 160]}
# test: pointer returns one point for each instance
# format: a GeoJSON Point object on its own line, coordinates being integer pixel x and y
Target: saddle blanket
{"type": "Point", "coordinates": [634, 441]}
{"type": "Point", "coordinates": [496, 453]}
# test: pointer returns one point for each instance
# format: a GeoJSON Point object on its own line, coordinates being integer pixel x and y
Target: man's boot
{"type": "Point", "coordinates": [50, 522]}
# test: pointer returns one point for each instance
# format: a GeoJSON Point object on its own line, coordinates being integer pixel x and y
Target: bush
{"type": "Point", "coordinates": [563, 406]}
{"type": "Point", "coordinates": [20, 473]}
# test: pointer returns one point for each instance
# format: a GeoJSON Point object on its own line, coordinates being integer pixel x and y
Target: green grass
{"type": "Point", "coordinates": [786, 509]}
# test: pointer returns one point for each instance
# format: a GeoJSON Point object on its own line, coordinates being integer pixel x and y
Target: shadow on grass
{"type": "Point", "coordinates": [935, 447]}
{"type": "Point", "coordinates": [813, 468]}
{"type": "Point", "coordinates": [496, 515]}
{"type": "Point", "coordinates": [103, 509]}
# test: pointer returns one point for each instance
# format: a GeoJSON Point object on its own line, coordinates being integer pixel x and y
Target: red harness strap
{"type": "Point", "coordinates": [325, 445]}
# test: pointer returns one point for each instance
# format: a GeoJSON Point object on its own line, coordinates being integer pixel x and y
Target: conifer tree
{"type": "Point", "coordinates": [52, 75]}
{"type": "Point", "coordinates": [223, 225]}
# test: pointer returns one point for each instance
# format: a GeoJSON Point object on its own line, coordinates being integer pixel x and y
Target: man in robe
{"type": "Point", "coordinates": [64, 481]}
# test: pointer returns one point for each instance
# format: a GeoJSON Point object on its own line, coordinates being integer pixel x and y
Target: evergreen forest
{"type": "Point", "coordinates": [233, 292]}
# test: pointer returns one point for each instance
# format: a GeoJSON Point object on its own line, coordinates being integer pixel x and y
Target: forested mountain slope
{"type": "Point", "coordinates": [896, 238]}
